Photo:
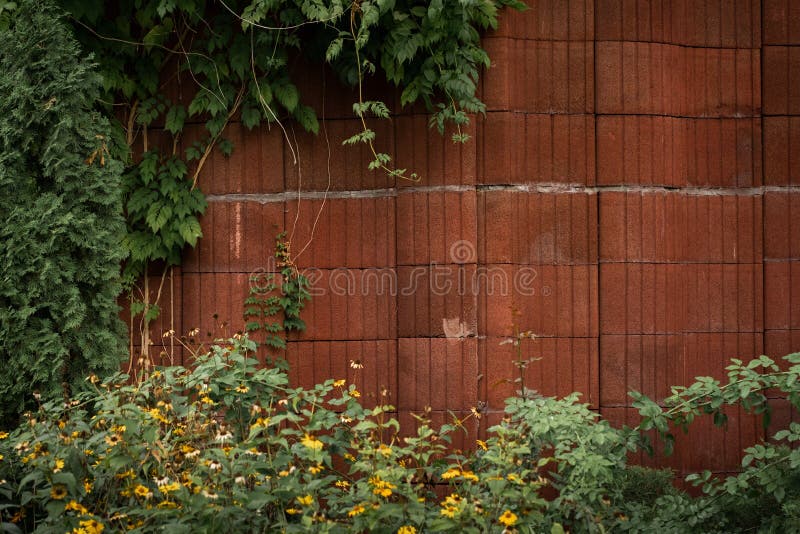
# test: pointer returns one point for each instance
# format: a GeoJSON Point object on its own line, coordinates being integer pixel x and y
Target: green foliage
{"type": "Point", "coordinates": [228, 444]}
{"type": "Point", "coordinates": [765, 495]}
{"type": "Point", "coordinates": [235, 60]}
{"type": "Point", "coordinates": [61, 213]}
{"type": "Point", "coordinates": [162, 212]}
{"type": "Point", "coordinates": [273, 307]}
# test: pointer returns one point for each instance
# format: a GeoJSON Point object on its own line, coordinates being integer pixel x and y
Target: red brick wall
{"type": "Point", "coordinates": [633, 187]}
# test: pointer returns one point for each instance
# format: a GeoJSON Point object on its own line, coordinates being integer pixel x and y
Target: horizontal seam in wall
{"type": "Point", "coordinates": [681, 333]}
{"type": "Point", "coordinates": [550, 113]}
{"type": "Point", "coordinates": [635, 41]}
{"type": "Point", "coordinates": [288, 196]}
{"type": "Point", "coordinates": [674, 262]}
{"type": "Point", "coordinates": [739, 116]}
{"type": "Point", "coordinates": [680, 45]}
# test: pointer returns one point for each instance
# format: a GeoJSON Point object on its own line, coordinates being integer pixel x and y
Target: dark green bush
{"type": "Point", "coordinates": [61, 219]}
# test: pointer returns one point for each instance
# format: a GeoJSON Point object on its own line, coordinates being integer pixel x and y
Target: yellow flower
{"type": "Point", "coordinates": [469, 475]}
{"type": "Point", "coordinates": [342, 484]}
{"type": "Point", "coordinates": [407, 529]}
{"type": "Point", "coordinates": [205, 399]}
{"type": "Point", "coordinates": [242, 388]}
{"type": "Point", "coordinates": [113, 439]}
{"type": "Point", "coordinates": [508, 518]}
{"type": "Point", "coordinates": [512, 477]}
{"type": "Point", "coordinates": [305, 500]}
{"type": "Point", "coordinates": [3, 435]}
{"type": "Point", "coordinates": [311, 442]}
{"type": "Point", "coordinates": [91, 526]}
{"type": "Point", "coordinates": [76, 507]}
{"type": "Point", "coordinates": [156, 414]}
{"type": "Point", "coordinates": [1, 457]}
{"type": "Point", "coordinates": [261, 421]}
{"type": "Point", "coordinates": [142, 491]}
{"type": "Point", "coordinates": [293, 511]}
{"type": "Point", "coordinates": [354, 393]}
{"type": "Point", "coordinates": [381, 487]}
{"type": "Point", "coordinates": [316, 469]}
{"type": "Point", "coordinates": [357, 509]}
{"type": "Point", "coordinates": [87, 485]}
{"type": "Point", "coordinates": [385, 450]}
{"type": "Point", "coordinates": [58, 492]}
{"type": "Point", "coordinates": [482, 444]}
{"type": "Point", "coordinates": [172, 486]}
{"type": "Point", "coordinates": [452, 500]}
{"type": "Point", "coordinates": [449, 511]}
{"type": "Point", "coordinates": [59, 465]}
{"type": "Point", "coordinates": [451, 473]}
{"type": "Point", "coordinates": [339, 383]}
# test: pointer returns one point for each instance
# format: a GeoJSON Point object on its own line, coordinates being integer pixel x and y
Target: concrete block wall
{"type": "Point", "coordinates": [630, 196]}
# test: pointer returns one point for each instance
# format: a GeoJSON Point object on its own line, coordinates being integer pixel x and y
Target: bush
{"type": "Point", "coordinates": [229, 446]}
{"type": "Point", "coordinates": [61, 221]}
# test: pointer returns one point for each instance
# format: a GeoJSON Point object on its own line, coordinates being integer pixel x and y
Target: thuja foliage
{"type": "Point", "coordinates": [60, 215]}
{"type": "Point", "coordinates": [228, 445]}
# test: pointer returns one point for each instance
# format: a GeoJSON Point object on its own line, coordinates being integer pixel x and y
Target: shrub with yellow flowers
{"type": "Point", "coordinates": [229, 446]}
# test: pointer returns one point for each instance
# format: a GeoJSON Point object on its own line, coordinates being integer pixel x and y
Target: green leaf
{"type": "Point", "coordinates": [176, 116]}
{"type": "Point", "coordinates": [287, 94]}
{"type": "Point", "coordinates": [190, 230]}
{"type": "Point", "coordinates": [307, 118]}
{"type": "Point", "coordinates": [158, 215]}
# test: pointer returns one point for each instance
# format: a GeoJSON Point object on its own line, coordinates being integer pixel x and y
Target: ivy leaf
{"type": "Point", "coordinates": [250, 117]}
{"type": "Point", "coordinates": [190, 230]}
{"type": "Point", "coordinates": [157, 216]}
{"type": "Point", "coordinates": [307, 118]}
{"type": "Point", "coordinates": [225, 146]}
{"type": "Point", "coordinates": [435, 9]}
{"type": "Point", "coordinates": [287, 94]}
{"type": "Point", "coordinates": [158, 34]}
{"type": "Point", "coordinates": [176, 116]}
{"type": "Point", "coordinates": [239, 56]}
{"type": "Point", "coordinates": [333, 50]}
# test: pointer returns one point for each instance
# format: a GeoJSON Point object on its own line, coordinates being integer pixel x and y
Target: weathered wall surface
{"type": "Point", "coordinates": [631, 193]}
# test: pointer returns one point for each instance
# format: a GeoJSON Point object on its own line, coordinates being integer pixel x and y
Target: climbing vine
{"type": "Point", "coordinates": [171, 65]}
{"type": "Point", "coordinates": [272, 309]}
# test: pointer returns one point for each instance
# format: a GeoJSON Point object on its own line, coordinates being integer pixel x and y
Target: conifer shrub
{"type": "Point", "coordinates": [61, 220]}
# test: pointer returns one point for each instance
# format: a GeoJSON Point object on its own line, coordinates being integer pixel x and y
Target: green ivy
{"type": "Point", "coordinates": [273, 306]}
{"type": "Point", "coordinates": [234, 60]}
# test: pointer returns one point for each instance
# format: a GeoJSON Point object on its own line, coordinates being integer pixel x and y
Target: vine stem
{"type": "Point", "coordinates": [391, 172]}
{"type": "Point", "coordinates": [213, 142]}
